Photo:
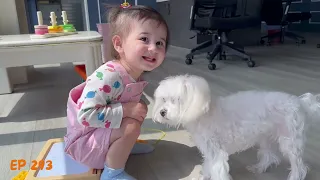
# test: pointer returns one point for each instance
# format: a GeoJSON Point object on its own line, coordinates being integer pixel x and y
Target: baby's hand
{"type": "Point", "coordinates": [135, 110]}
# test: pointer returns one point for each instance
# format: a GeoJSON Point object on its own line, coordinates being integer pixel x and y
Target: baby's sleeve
{"type": "Point", "coordinates": [95, 110]}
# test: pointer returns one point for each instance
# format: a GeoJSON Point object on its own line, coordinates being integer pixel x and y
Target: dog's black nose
{"type": "Point", "coordinates": [163, 112]}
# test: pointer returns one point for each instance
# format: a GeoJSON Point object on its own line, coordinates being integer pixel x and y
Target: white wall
{"type": "Point", "coordinates": [9, 23]}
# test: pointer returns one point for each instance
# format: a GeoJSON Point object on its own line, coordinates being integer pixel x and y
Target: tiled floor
{"type": "Point", "coordinates": [36, 111]}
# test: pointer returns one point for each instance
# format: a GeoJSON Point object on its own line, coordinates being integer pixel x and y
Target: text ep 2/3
{"type": "Point", "coordinates": [17, 164]}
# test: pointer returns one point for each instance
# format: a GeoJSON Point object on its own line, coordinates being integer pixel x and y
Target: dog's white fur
{"type": "Point", "coordinates": [237, 122]}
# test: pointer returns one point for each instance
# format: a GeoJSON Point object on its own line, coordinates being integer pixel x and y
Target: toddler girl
{"type": "Point", "coordinates": [105, 113]}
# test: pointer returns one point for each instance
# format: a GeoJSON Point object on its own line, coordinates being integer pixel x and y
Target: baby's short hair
{"type": "Point", "coordinates": [120, 18]}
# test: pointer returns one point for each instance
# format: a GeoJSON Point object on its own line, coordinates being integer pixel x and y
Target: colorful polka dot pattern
{"type": "Point", "coordinates": [107, 89]}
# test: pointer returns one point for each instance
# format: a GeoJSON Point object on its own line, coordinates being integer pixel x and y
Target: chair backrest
{"type": "Point", "coordinates": [272, 12]}
{"type": "Point", "coordinates": [286, 10]}
{"type": "Point", "coordinates": [212, 8]}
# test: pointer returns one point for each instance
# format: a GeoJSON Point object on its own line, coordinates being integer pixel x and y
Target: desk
{"type": "Point", "coordinates": [20, 50]}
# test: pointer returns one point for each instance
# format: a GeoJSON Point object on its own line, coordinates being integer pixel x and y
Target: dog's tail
{"type": "Point", "coordinates": [311, 104]}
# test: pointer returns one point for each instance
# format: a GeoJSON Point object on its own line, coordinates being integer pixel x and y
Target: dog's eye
{"type": "Point", "coordinates": [163, 99]}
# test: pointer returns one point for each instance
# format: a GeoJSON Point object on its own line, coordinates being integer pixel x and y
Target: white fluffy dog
{"type": "Point", "coordinates": [237, 122]}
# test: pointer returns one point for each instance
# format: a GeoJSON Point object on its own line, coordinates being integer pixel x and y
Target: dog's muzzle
{"type": "Point", "coordinates": [163, 112]}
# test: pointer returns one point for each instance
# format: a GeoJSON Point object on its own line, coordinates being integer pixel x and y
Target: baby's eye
{"type": "Point", "coordinates": [144, 39]}
{"type": "Point", "coordinates": [159, 43]}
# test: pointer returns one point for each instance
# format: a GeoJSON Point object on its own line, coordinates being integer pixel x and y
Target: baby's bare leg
{"type": "Point", "coordinates": [122, 141]}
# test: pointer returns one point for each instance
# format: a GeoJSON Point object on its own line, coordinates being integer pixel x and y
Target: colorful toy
{"type": "Point", "coordinates": [55, 30]}
{"type": "Point", "coordinates": [40, 29]}
{"type": "Point", "coordinates": [66, 26]}
{"type": "Point", "coordinates": [125, 5]}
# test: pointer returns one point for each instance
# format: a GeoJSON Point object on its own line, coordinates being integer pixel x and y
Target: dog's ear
{"type": "Point", "coordinates": [197, 97]}
{"type": "Point", "coordinates": [188, 104]}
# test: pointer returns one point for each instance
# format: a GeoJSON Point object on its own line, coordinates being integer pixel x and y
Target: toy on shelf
{"type": "Point", "coordinates": [40, 29]}
{"type": "Point", "coordinates": [66, 26]}
{"type": "Point", "coordinates": [55, 30]}
{"type": "Point", "coordinates": [125, 5]}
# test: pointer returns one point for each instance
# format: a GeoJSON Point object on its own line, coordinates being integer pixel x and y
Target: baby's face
{"type": "Point", "coordinates": [145, 46]}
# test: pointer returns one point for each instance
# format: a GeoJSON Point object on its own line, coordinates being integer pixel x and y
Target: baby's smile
{"type": "Point", "coordinates": [149, 59]}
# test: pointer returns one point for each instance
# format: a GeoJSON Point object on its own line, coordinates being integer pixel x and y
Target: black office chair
{"type": "Point", "coordinates": [218, 18]}
{"type": "Point", "coordinates": [273, 13]}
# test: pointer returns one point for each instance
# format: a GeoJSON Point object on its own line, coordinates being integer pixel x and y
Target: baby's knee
{"type": "Point", "coordinates": [132, 128]}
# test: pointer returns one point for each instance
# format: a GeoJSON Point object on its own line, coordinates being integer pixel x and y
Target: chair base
{"type": "Point", "coordinates": [217, 47]}
{"type": "Point", "coordinates": [282, 34]}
